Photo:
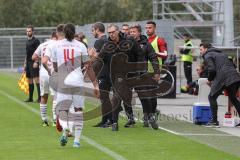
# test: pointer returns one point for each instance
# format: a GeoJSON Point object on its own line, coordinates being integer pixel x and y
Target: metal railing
{"type": "Point", "coordinates": [13, 51]}
{"type": "Point", "coordinates": [13, 40]}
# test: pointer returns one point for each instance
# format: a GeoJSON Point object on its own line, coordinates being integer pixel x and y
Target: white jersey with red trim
{"type": "Point", "coordinates": [40, 51]}
{"type": "Point", "coordinates": [64, 51]}
{"type": "Point", "coordinates": [69, 56]}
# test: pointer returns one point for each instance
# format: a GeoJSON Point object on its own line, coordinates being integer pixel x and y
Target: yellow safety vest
{"type": "Point", "coordinates": [187, 57]}
{"type": "Point", "coordinates": [154, 44]}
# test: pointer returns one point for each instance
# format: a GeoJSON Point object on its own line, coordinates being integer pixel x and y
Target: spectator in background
{"type": "Point", "coordinates": [81, 38]}
{"type": "Point", "coordinates": [193, 87]}
{"type": "Point", "coordinates": [186, 58]}
{"type": "Point", "coordinates": [32, 67]}
{"type": "Point", "coordinates": [125, 29]}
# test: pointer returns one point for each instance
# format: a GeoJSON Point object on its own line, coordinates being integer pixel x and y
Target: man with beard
{"type": "Point", "coordinates": [101, 68]}
{"type": "Point", "coordinates": [221, 75]}
{"type": "Point", "coordinates": [32, 67]}
{"type": "Point", "coordinates": [160, 47]}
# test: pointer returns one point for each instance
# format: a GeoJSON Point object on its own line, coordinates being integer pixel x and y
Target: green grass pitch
{"type": "Point", "coordinates": [23, 138]}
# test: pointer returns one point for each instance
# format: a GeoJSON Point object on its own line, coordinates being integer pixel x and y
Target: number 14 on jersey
{"type": "Point", "coordinates": [68, 55]}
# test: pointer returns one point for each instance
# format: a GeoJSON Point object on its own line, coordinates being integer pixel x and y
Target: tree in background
{"type": "Point", "coordinates": [15, 13]}
{"type": "Point", "coordinates": [19, 13]}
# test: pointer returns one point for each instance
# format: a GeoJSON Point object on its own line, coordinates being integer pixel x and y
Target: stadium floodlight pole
{"type": "Point", "coordinates": [228, 21]}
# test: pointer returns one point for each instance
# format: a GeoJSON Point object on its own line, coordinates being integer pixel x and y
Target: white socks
{"type": "Point", "coordinates": [43, 111]}
{"type": "Point", "coordinates": [74, 126]}
{"type": "Point", "coordinates": [54, 110]}
{"type": "Point", "coordinates": [78, 125]}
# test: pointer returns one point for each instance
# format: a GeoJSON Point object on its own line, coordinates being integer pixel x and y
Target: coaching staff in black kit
{"type": "Point", "coordinates": [120, 46]}
{"type": "Point", "coordinates": [102, 70]}
{"type": "Point", "coordinates": [221, 75]}
{"type": "Point", "coordinates": [31, 67]}
{"type": "Point", "coordinates": [149, 55]}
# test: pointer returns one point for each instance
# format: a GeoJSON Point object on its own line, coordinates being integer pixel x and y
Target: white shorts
{"type": "Point", "coordinates": [44, 85]}
{"type": "Point", "coordinates": [78, 100]}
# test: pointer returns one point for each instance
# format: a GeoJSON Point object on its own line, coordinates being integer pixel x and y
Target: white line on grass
{"type": "Point", "coordinates": [206, 134]}
{"type": "Point", "coordinates": [88, 140]}
{"type": "Point", "coordinates": [103, 149]}
{"type": "Point", "coordinates": [23, 104]}
{"type": "Point", "coordinates": [196, 134]}
{"type": "Point", "coordinates": [170, 131]}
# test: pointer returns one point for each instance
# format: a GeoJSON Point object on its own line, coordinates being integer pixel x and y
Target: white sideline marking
{"type": "Point", "coordinates": [28, 107]}
{"type": "Point", "coordinates": [88, 140]}
{"type": "Point", "coordinates": [195, 134]}
{"type": "Point", "coordinates": [170, 131]}
{"type": "Point", "coordinates": [199, 134]}
{"type": "Point", "coordinates": [185, 134]}
{"type": "Point", "coordinates": [103, 149]}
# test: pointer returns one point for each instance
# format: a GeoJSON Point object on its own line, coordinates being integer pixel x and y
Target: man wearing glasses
{"type": "Point", "coordinates": [122, 49]}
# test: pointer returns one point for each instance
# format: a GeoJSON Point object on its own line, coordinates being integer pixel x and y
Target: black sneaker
{"type": "Point", "coordinates": [106, 125]}
{"type": "Point", "coordinates": [130, 123]}
{"type": "Point", "coordinates": [115, 127]}
{"type": "Point", "coordinates": [212, 124]}
{"type": "Point", "coordinates": [145, 123]}
{"type": "Point", "coordinates": [153, 122]}
{"type": "Point", "coordinates": [238, 125]}
{"type": "Point", "coordinates": [29, 100]}
{"type": "Point", "coordinates": [145, 120]}
{"type": "Point", "coordinates": [100, 124]}
{"type": "Point", "coordinates": [45, 124]}
{"type": "Point", "coordinates": [157, 114]}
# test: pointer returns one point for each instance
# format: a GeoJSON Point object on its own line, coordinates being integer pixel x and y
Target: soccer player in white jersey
{"type": "Point", "coordinates": [68, 55]}
{"type": "Point", "coordinates": [47, 56]}
{"type": "Point", "coordinates": [44, 81]}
